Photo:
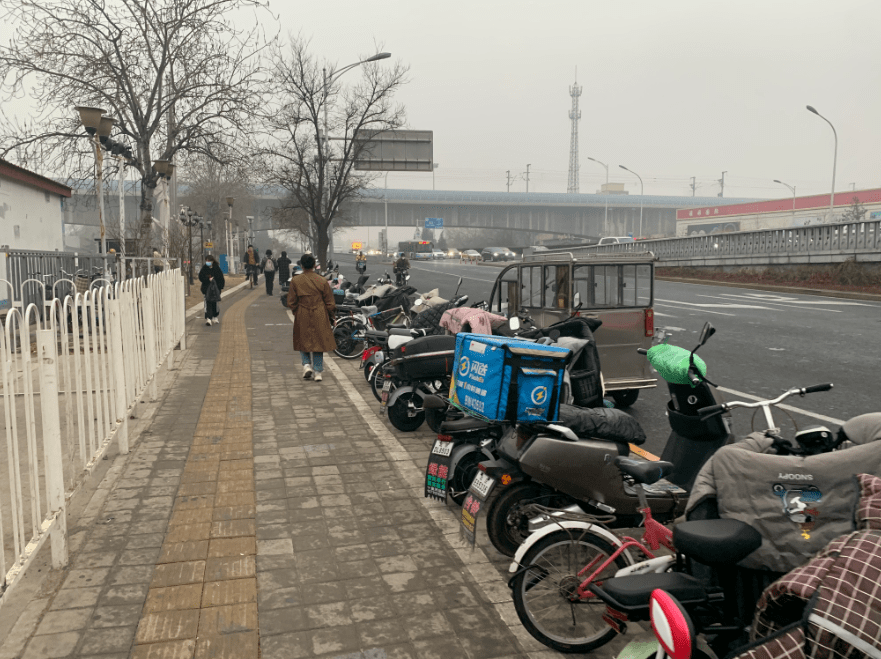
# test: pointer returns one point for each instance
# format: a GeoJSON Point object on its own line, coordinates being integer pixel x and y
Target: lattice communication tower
{"type": "Point", "coordinates": [574, 116]}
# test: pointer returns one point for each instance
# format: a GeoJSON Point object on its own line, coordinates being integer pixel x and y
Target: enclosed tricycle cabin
{"type": "Point", "coordinates": [617, 289]}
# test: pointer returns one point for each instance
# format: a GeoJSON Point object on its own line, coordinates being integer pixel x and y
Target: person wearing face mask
{"type": "Point", "coordinates": [212, 280]}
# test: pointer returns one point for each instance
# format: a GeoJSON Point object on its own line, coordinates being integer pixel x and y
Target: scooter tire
{"type": "Point", "coordinates": [505, 537]}
{"type": "Point", "coordinates": [554, 563]}
{"type": "Point", "coordinates": [399, 415]}
{"type": "Point", "coordinates": [376, 382]}
{"type": "Point", "coordinates": [349, 337]}
{"type": "Point", "coordinates": [625, 398]}
{"type": "Point", "coordinates": [462, 477]}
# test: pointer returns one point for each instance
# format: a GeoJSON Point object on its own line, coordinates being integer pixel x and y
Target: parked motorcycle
{"type": "Point", "coordinates": [568, 464]}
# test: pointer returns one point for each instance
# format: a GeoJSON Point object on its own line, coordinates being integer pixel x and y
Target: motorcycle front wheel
{"type": "Point", "coordinates": [402, 417]}
{"type": "Point", "coordinates": [543, 591]}
{"type": "Point", "coordinates": [506, 521]}
{"type": "Point", "coordinates": [350, 340]}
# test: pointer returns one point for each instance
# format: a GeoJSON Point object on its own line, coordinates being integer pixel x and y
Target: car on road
{"type": "Point", "coordinates": [611, 240]}
{"type": "Point", "coordinates": [453, 253]}
{"type": "Point", "coordinates": [438, 254]}
{"type": "Point", "coordinates": [497, 254]}
{"type": "Point", "coordinates": [471, 255]}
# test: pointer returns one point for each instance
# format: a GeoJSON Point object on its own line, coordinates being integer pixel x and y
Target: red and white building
{"type": "Point", "coordinates": [774, 213]}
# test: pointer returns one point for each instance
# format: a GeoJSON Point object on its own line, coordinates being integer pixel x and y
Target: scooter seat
{"type": "Point", "coordinates": [396, 326]}
{"type": "Point", "coordinates": [394, 330]}
{"type": "Point", "coordinates": [634, 592]}
{"type": "Point", "coordinates": [716, 541]}
{"type": "Point", "coordinates": [462, 425]}
{"type": "Point", "coordinates": [643, 471]}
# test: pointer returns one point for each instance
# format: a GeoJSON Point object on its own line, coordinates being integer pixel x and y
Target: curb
{"type": "Point", "coordinates": [192, 313]}
{"type": "Point", "coordinates": [849, 295]}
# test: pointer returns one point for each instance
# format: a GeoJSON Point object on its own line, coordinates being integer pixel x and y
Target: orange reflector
{"type": "Point", "coordinates": [506, 479]}
{"type": "Point", "coordinates": [649, 322]}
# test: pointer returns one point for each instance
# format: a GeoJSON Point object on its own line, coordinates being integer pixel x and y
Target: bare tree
{"type": "Point", "coordinates": [856, 212]}
{"type": "Point", "coordinates": [319, 175]}
{"type": "Point", "coordinates": [177, 75]}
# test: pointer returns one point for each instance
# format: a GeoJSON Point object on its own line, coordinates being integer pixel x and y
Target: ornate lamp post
{"type": "Point", "coordinates": [230, 245]}
{"type": "Point", "coordinates": [189, 219]}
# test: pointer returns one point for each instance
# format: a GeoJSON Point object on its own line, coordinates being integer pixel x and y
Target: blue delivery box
{"type": "Point", "coordinates": [503, 379]}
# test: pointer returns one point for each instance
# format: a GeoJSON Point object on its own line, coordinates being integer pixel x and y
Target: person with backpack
{"type": "Point", "coordinates": [268, 266]}
{"type": "Point", "coordinates": [284, 268]}
{"type": "Point", "coordinates": [213, 282]}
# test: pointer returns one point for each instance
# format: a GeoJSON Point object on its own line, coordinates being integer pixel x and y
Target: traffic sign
{"type": "Point", "coordinates": [434, 223]}
{"type": "Point", "coordinates": [357, 245]}
{"type": "Point", "coordinates": [209, 245]}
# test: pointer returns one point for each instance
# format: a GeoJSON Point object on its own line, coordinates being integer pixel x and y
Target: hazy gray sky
{"type": "Point", "coordinates": [672, 89]}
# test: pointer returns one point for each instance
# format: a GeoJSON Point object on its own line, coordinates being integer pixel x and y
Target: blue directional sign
{"type": "Point", "coordinates": [434, 223]}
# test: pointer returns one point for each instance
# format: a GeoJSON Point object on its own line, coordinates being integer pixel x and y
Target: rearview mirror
{"type": "Point", "coordinates": [418, 303]}
{"type": "Point", "coordinates": [514, 323]}
{"type": "Point", "coordinates": [706, 333]}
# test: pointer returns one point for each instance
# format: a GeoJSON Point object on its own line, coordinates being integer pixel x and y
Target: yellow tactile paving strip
{"type": "Point", "coordinates": [203, 598]}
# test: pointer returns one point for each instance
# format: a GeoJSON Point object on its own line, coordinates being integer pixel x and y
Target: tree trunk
{"type": "Point", "coordinates": [321, 245]}
{"type": "Point", "coordinates": [145, 225]}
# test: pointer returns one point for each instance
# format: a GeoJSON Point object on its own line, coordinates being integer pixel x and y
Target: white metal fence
{"type": "Point", "coordinates": [824, 243]}
{"type": "Point", "coordinates": [69, 383]}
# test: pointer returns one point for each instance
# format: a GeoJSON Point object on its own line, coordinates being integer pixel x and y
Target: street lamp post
{"type": "Point", "coordinates": [640, 195]}
{"type": "Point", "coordinates": [834, 161]}
{"type": "Point", "coordinates": [792, 188]}
{"type": "Point", "coordinates": [606, 196]}
{"type": "Point", "coordinates": [328, 80]}
{"type": "Point", "coordinates": [188, 218]}
{"type": "Point", "coordinates": [230, 249]}
{"type": "Point", "coordinates": [385, 200]}
{"type": "Point", "coordinates": [434, 166]}
{"type": "Point", "coordinates": [201, 234]}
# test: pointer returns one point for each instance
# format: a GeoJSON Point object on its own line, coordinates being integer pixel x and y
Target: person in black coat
{"type": "Point", "coordinates": [212, 280]}
{"type": "Point", "coordinates": [284, 268]}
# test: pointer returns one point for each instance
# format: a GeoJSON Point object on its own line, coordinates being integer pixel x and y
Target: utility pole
{"type": "Point", "coordinates": [508, 174]}
{"type": "Point", "coordinates": [693, 185]}
{"type": "Point", "coordinates": [574, 116]}
{"type": "Point", "coordinates": [722, 183]}
{"type": "Point", "coordinates": [527, 177]}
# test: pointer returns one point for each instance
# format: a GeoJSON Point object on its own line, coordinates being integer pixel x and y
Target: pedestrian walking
{"type": "Point", "coordinates": [251, 263]}
{"type": "Point", "coordinates": [157, 262]}
{"type": "Point", "coordinates": [268, 266]}
{"type": "Point", "coordinates": [284, 268]}
{"type": "Point", "coordinates": [311, 302]}
{"type": "Point", "coordinates": [213, 282]}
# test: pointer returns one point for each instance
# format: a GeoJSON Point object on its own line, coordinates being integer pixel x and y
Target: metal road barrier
{"type": "Point", "coordinates": [69, 383]}
{"type": "Point", "coordinates": [822, 244]}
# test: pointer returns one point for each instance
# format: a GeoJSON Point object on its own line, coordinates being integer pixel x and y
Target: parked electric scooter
{"type": "Point", "coordinates": [568, 465]}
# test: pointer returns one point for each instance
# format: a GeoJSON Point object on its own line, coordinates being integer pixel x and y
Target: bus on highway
{"type": "Point", "coordinates": [417, 249]}
{"type": "Point", "coordinates": [616, 288]}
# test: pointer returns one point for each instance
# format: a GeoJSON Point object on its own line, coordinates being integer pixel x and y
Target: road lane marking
{"type": "Point", "coordinates": [772, 302]}
{"type": "Point", "coordinates": [718, 313]}
{"type": "Point", "coordinates": [790, 408]}
{"type": "Point", "coordinates": [704, 305]}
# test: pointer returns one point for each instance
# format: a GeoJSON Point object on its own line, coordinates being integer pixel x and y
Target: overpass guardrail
{"type": "Point", "coordinates": [820, 244]}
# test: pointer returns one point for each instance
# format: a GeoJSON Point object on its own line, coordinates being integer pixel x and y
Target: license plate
{"type": "Point", "coordinates": [386, 388]}
{"type": "Point", "coordinates": [442, 448]}
{"type": "Point", "coordinates": [482, 484]}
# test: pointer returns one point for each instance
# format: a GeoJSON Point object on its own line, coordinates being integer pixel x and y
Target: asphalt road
{"type": "Point", "coordinates": [764, 344]}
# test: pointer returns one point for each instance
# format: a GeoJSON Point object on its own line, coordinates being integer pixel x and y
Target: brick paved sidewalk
{"type": "Point", "coordinates": [268, 516]}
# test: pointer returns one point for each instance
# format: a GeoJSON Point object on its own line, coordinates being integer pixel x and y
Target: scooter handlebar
{"type": "Point", "coordinates": [711, 411]}
{"type": "Point", "coordinates": [816, 387]}
{"type": "Point", "coordinates": [642, 351]}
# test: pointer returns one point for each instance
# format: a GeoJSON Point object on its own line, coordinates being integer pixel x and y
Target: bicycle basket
{"type": "Point", "coordinates": [671, 363]}
{"type": "Point", "coordinates": [82, 285]}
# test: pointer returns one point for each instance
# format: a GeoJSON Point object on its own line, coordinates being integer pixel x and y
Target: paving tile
{"type": "Point", "coordinates": [127, 594]}
{"type": "Point", "coordinates": [52, 646]}
{"type": "Point", "coordinates": [237, 591]}
{"type": "Point", "coordinates": [337, 639]}
{"type": "Point", "coordinates": [188, 596]}
{"type": "Point", "coordinates": [67, 620]}
{"type": "Point", "coordinates": [232, 547]}
{"type": "Point", "coordinates": [282, 546]}
{"type": "Point", "coordinates": [131, 574]}
{"type": "Point", "coordinates": [233, 512]}
{"type": "Point", "coordinates": [114, 639]}
{"type": "Point", "coordinates": [192, 532]}
{"type": "Point", "coordinates": [242, 645]}
{"type": "Point", "coordinates": [233, 528]}
{"type": "Point", "coordinates": [168, 626]}
{"type": "Point", "coordinates": [190, 516]}
{"type": "Point", "coordinates": [147, 556]}
{"type": "Point", "coordinates": [175, 574]}
{"type": "Point", "coordinates": [116, 616]}
{"type": "Point", "coordinates": [83, 578]}
{"type": "Point", "coordinates": [74, 598]}
{"type": "Point", "coordinates": [286, 646]}
{"type": "Point", "coordinates": [221, 620]}
{"type": "Point", "coordinates": [184, 649]}
{"type": "Point", "coordinates": [179, 552]}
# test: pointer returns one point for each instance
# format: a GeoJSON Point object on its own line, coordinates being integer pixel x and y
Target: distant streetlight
{"type": "Point", "coordinates": [792, 188]}
{"type": "Point", "coordinates": [640, 195]}
{"type": "Point", "coordinates": [606, 195]}
{"type": "Point", "coordinates": [328, 80]}
{"type": "Point", "coordinates": [834, 161]}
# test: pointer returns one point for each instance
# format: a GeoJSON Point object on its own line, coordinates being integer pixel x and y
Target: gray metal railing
{"type": "Point", "coordinates": [827, 243]}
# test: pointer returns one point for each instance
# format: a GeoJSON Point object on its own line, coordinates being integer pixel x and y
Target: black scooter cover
{"type": "Point", "coordinates": [602, 423]}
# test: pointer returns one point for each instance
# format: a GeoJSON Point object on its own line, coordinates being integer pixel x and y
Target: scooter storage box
{"type": "Point", "coordinates": [503, 379]}
{"type": "Point", "coordinates": [427, 357]}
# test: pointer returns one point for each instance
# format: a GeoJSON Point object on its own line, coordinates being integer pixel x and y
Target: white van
{"type": "Point", "coordinates": [615, 239]}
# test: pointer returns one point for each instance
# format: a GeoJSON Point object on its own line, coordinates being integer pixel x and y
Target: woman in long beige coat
{"type": "Point", "coordinates": [311, 302]}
